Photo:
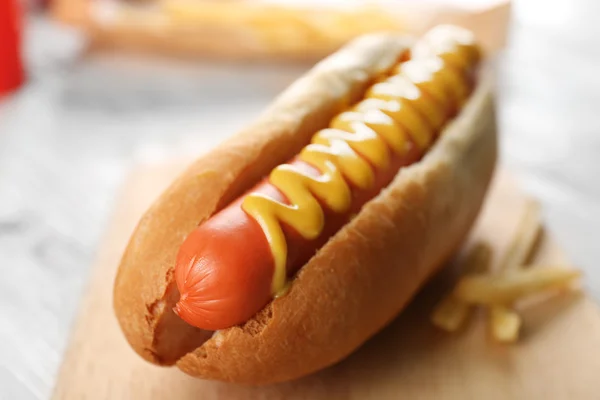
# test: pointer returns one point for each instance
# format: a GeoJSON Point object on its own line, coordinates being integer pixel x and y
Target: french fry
{"type": "Point", "coordinates": [523, 242]}
{"type": "Point", "coordinates": [518, 253]}
{"type": "Point", "coordinates": [451, 314]}
{"type": "Point", "coordinates": [509, 287]}
{"type": "Point", "coordinates": [505, 324]}
{"type": "Point", "coordinates": [501, 290]}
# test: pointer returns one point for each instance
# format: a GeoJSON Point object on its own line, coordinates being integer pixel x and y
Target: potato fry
{"type": "Point", "coordinates": [500, 290]}
{"type": "Point", "coordinates": [519, 251]}
{"type": "Point", "coordinates": [524, 240]}
{"type": "Point", "coordinates": [509, 287]}
{"type": "Point", "coordinates": [505, 324]}
{"type": "Point", "coordinates": [451, 314]}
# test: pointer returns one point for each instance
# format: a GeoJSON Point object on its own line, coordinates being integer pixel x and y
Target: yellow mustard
{"type": "Point", "coordinates": [414, 102]}
{"type": "Point", "coordinates": [454, 46]}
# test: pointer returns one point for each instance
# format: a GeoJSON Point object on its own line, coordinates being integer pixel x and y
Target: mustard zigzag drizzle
{"type": "Point", "coordinates": [360, 140]}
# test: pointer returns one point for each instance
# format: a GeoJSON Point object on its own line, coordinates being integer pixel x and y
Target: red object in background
{"type": "Point", "coordinates": [11, 66]}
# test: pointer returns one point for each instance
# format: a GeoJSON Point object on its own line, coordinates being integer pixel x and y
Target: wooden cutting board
{"type": "Point", "coordinates": [557, 358]}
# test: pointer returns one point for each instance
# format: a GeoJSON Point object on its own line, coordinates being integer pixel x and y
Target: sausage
{"type": "Point", "coordinates": [225, 267]}
{"type": "Point", "coordinates": [234, 263]}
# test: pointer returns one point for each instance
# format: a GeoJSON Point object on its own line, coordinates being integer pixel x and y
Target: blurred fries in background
{"type": "Point", "coordinates": [257, 29]}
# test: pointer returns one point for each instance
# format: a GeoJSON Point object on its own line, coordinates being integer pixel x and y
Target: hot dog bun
{"type": "Point", "coordinates": [364, 275]}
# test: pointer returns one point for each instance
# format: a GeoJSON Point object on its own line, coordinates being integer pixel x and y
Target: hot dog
{"type": "Point", "coordinates": [311, 197]}
{"type": "Point", "coordinates": [390, 149]}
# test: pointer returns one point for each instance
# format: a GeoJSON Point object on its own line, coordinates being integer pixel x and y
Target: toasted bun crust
{"type": "Point", "coordinates": [359, 281]}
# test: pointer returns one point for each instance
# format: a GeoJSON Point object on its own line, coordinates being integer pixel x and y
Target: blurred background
{"type": "Point", "coordinates": [103, 86]}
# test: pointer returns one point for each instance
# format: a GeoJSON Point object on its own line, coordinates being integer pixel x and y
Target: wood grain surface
{"type": "Point", "coordinates": [558, 356]}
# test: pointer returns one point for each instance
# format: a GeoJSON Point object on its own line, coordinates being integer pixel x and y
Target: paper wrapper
{"type": "Point", "coordinates": [246, 29]}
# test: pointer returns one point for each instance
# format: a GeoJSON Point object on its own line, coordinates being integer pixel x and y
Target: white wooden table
{"type": "Point", "coordinates": [68, 139]}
